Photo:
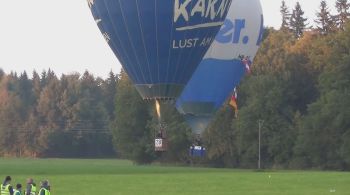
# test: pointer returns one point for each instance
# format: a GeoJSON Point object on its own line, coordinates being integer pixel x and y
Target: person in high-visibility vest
{"type": "Point", "coordinates": [18, 190]}
{"type": "Point", "coordinates": [31, 187]}
{"type": "Point", "coordinates": [45, 188]}
{"type": "Point", "coordinates": [6, 188]}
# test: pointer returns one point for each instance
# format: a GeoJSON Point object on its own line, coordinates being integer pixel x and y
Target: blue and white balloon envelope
{"type": "Point", "coordinates": [222, 67]}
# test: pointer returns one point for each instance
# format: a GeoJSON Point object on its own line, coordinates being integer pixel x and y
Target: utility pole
{"type": "Point", "coordinates": [260, 123]}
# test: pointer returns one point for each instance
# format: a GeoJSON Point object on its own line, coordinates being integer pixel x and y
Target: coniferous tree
{"type": "Point", "coordinates": [285, 16]}
{"type": "Point", "coordinates": [324, 19]}
{"type": "Point", "coordinates": [11, 115]}
{"type": "Point", "coordinates": [1, 73]}
{"type": "Point", "coordinates": [49, 114]}
{"type": "Point", "coordinates": [29, 137]}
{"type": "Point", "coordinates": [343, 15]}
{"type": "Point", "coordinates": [109, 88]}
{"type": "Point", "coordinates": [298, 21]}
{"type": "Point", "coordinates": [36, 83]}
{"type": "Point", "coordinates": [92, 116]}
{"type": "Point", "coordinates": [130, 136]}
{"type": "Point", "coordinates": [25, 92]}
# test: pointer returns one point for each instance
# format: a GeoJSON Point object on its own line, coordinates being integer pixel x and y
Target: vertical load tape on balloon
{"type": "Point", "coordinates": [159, 42]}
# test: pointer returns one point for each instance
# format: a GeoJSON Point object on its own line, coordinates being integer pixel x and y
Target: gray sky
{"type": "Point", "coordinates": [61, 35]}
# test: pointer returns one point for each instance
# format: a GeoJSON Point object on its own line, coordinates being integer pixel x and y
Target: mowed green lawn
{"type": "Point", "coordinates": [100, 177]}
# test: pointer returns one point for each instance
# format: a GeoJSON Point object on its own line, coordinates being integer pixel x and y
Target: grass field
{"type": "Point", "coordinates": [100, 177]}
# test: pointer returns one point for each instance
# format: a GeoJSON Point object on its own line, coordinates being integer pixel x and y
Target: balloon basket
{"type": "Point", "coordinates": [160, 141]}
{"type": "Point", "coordinates": [160, 145]}
{"type": "Point", "coordinates": [197, 151]}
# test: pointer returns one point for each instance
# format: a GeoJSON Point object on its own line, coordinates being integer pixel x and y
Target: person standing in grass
{"type": "Point", "coordinates": [18, 190]}
{"type": "Point", "coordinates": [45, 188]}
{"type": "Point", "coordinates": [6, 188]}
{"type": "Point", "coordinates": [31, 187]}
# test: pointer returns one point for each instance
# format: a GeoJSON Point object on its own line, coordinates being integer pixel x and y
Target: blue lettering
{"type": "Point", "coordinates": [239, 25]}
{"type": "Point", "coordinates": [231, 32]}
{"type": "Point", "coordinates": [224, 36]}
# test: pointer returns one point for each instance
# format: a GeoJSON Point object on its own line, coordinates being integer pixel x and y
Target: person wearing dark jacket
{"type": "Point", "coordinates": [6, 188]}
{"type": "Point", "coordinates": [31, 187]}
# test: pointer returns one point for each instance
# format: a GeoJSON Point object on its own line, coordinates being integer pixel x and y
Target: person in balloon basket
{"type": "Point", "coordinates": [192, 150]}
{"type": "Point", "coordinates": [6, 188]}
{"type": "Point", "coordinates": [45, 188]}
{"type": "Point", "coordinates": [18, 190]}
{"type": "Point", "coordinates": [31, 187]}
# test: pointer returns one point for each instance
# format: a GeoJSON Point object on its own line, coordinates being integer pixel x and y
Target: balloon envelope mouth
{"type": "Point", "coordinates": [198, 108]}
{"type": "Point", "coordinates": [198, 123]}
{"type": "Point", "coordinates": [162, 92]}
{"type": "Point", "coordinates": [198, 115]}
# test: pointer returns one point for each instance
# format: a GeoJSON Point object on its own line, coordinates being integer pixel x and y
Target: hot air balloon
{"type": "Point", "coordinates": [223, 66]}
{"type": "Point", "coordinates": [159, 42]}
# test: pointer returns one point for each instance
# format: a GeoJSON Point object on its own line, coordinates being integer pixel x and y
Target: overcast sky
{"type": "Point", "coordinates": [61, 35]}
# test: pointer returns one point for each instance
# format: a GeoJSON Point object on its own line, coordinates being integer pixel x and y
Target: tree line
{"type": "Point", "coordinates": [299, 89]}
{"type": "Point", "coordinates": [50, 116]}
{"type": "Point", "coordinates": [295, 22]}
